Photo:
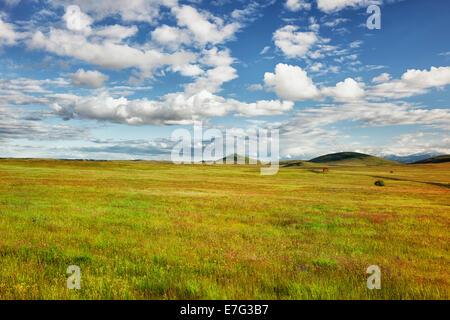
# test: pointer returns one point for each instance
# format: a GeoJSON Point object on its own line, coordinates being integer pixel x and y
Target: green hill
{"type": "Point", "coordinates": [352, 158]}
{"type": "Point", "coordinates": [439, 159]}
{"type": "Point", "coordinates": [295, 163]}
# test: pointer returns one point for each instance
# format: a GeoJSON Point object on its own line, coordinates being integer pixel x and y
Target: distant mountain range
{"type": "Point", "coordinates": [412, 158]}
{"type": "Point", "coordinates": [361, 159]}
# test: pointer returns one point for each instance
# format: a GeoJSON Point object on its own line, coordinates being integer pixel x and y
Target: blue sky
{"type": "Point", "coordinates": [114, 79]}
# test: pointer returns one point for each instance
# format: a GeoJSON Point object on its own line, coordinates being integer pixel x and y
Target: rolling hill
{"type": "Point", "coordinates": [352, 158]}
{"type": "Point", "coordinates": [439, 159]}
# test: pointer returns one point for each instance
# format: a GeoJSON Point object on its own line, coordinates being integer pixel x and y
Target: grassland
{"type": "Point", "coordinates": [143, 230]}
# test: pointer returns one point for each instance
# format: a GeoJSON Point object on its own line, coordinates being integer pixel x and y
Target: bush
{"type": "Point", "coordinates": [379, 183]}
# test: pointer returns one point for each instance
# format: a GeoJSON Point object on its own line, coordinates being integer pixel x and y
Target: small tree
{"type": "Point", "coordinates": [379, 183]}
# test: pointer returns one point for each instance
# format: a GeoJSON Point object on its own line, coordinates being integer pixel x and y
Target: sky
{"type": "Point", "coordinates": [114, 79]}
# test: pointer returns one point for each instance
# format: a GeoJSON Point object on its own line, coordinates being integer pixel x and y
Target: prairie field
{"type": "Point", "coordinates": [155, 230]}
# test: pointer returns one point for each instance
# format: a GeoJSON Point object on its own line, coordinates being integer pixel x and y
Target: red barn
{"type": "Point", "coordinates": [325, 170]}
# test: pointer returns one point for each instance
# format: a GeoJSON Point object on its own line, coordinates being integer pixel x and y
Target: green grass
{"type": "Point", "coordinates": [144, 230]}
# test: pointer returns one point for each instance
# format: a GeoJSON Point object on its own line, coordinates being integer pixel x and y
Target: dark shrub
{"type": "Point", "coordinates": [379, 183]}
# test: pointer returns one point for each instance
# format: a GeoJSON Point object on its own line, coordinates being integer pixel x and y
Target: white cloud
{"type": "Point", "coordinates": [76, 20]}
{"type": "Point", "coordinates": [436, 77]}
{"type": "Point", "coordinates": [7, 34]}
{"type": "Point", "coordinates": [293, 43]}
{"type": "Point", "coordinates": [347, 90]}
{"type": "Point", "coordinates": [106, 53]}
{"type": "Point", "coordinates": [172, 37]}
{"type": "Point", "coordinates": [172, 48]}
{"type": "Point", "coordinates": [296, 5]}
{"type": "Point", "coordinates": [189, 70]}
{"type": "Point", "coordinates": [116, 32]}
{"type": "Point", "coordinates": [263, 108]}
{"type": "Point", "coordinates": [384, 77]}
{"type": "Point", "coordinates": [316, 67]}
{"type": "Point", "coordinates": [255, 87]}
{"type": "Point", "coordinates": [313, 25]}
{"type": "Point", "coordinates": [329, 6]}
{"type": "Point", "coordinates": [335, 22]}
{"type": "Point", "coordinates": [16, 87]}
{"type": "Point", "coordinates": [355, 44]}
{"type": "Point", "coordinates": [265, 50]}
{"type": "Point", "coordinates": [205, 27]}
{"type": "Point", "coordinates": [412, 82]}
{"type": "Point", "coordinates": [175, 108]}
{"type": "Point", "coordinates": [221, 71]}
{"type": "Point", "coordinates": [130, 10]}
{"type": "Point", "coordinates": [102, 46]}
{"type": "Point", "coordinates": [291, 83]}
{"type": "Point", "coordinates": [171, 109]}
{"type": "Point", "coordinates": [91, 79]}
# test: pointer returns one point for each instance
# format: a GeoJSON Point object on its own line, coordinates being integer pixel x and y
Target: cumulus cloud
{"type": "Point", "coordinates": [172, 109]}
{"type": "Point", "coordinates": [189, 70]}
{"type": "Point", "coordinates": [205, 28]}
{"type": "Point", "coordinates": [291, 83]}
{"type": "Point", "coordinates": [106, 48]}
{"type": "Point", "coordinates": [91, 79]}
{"type": "Point", "coordinates": [293, 43]}
{"type": "Point", "coordinates": [346, 90]}
{"type": "Point", "coordinates": [171, 37]}
{"type": "Point", "coordinates": [218, 62]}
{"type": "Point", "coordinates": [116, 33]}
{"type": "Point", "coordinates": [106, 53]}
{"type": "Point", "coordinates": [436, 77]}
{"type": "Point", "coordinates": [76, 20]}
{"type": "Point", "coordinates": [412, 82]}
